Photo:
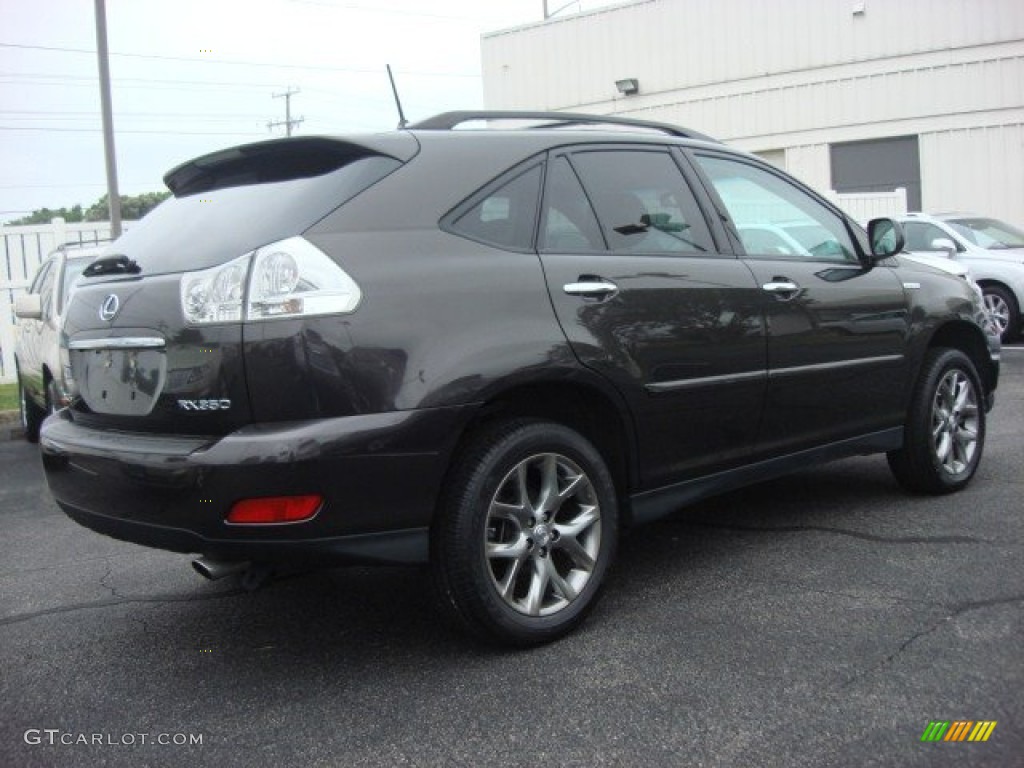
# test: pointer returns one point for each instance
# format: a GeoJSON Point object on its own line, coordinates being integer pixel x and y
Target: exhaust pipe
{"type": "Point", "coordinates": [217, 569]}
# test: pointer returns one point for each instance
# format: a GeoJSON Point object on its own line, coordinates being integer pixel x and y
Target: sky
{"type": "Point", "coordinates": [192, 76]}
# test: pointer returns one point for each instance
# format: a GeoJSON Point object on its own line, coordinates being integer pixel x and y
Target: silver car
{"type": "Point", "coordinates": [993, 251]}
{"type": "Point", "coordinates": [42, 387]}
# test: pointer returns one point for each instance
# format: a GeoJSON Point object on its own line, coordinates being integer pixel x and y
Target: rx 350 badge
{"type": "Point", "coordinates": [204, 405]}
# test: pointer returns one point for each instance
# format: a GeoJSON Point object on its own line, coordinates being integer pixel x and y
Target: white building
{"type": "Point", "coordinates": [848, 95]}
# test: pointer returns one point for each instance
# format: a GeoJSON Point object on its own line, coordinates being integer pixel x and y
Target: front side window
{"type": "Point", "coordinates": [921, 236]}
{"type": "Point", "coordinates": [505, 217]}
{"type": "Point", "coordinates": [774, 218]}
{"type": "Point", "coordinates": [46, 291]}
{"type": "Point", "coordinates": [643, 202]}
{"type": "Point", "coordinates": [40, 276]}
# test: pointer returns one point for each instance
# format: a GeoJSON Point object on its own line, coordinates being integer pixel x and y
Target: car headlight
{"type": "Point", "coordinates": [289, 278]}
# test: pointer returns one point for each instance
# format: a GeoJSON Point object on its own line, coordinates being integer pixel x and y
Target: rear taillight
{"type": "Point", "coordinates": [275, 509]}
{"type": "Point", "coordinates": [290, 278]}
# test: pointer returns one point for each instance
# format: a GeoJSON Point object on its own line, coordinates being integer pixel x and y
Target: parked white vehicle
{"type": "Point", "coordinates": [993, 251]}
{"type": "Point", "coordinates": [42, 385]}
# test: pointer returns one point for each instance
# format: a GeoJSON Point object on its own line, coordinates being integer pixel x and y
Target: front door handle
{"type": "Point", "coordinates": [782, 287]}
{"type": "Point", "coordinates": [591, 288]}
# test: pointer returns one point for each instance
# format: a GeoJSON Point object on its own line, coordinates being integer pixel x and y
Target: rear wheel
{"type": "Point", "coordinates": [1003, 311]}
{"type": "Point", "coordinates": [526, 533]}
{"type": "Point", "coordinates": [945, 430]}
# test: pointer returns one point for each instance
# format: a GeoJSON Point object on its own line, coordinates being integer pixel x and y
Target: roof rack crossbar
{"type": "Point", "coordinates": [447, 121]}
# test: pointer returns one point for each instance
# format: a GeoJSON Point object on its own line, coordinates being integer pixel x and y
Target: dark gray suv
{"type": "Point", "coordinates": [490, 350]}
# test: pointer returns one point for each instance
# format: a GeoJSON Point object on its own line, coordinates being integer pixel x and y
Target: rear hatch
{"type": "Point", "coordinates": [145, 350]}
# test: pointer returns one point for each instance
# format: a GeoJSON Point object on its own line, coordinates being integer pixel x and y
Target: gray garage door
{"type": "Point", "coordinates": [878, 165]}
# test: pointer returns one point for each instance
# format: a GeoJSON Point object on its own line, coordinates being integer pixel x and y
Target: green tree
{"type": "Point", "coordinates": [132, 206]}
{"type": "Point", "coordinates": [44, 215]}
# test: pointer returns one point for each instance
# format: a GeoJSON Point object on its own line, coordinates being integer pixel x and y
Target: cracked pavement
{"type": "Point", "coordinates": [820, 619]}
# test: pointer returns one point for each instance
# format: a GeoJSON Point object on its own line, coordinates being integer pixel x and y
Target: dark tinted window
{"type": "Point", "coordinates": [207, 229]}
{"type": "Point", "coordinates": [643, 202]}
{"type": "Point", "coordinates": [569, 224]}
{"type": "Point", "coordinates": [506, 216]}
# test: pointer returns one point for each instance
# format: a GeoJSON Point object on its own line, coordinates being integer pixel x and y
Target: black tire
{"type": "Point", "coordinates": [944, 434]}
{"type": "Point", "coordinates": [1004, 312]}
{"type": "Point", "coordinates": [496, 561]}
{"type": "Point", "coordinates": [31, 414]}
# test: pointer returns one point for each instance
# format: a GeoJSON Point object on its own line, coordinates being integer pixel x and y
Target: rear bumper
{"type": "Point", "coordinates": [379, 474]}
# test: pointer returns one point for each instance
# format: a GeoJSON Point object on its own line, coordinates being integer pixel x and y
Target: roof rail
{"type": "Point", "coordinates": [84, 243]}
{"type": "Point", "coordinates": [446, 121]}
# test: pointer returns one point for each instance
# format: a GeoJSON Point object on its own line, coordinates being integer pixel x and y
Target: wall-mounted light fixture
{"type": "Point", "coordinates": [628, 87]}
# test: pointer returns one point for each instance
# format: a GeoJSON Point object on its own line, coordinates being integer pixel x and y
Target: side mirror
{"type": "Point", "coordinates": [28, 306]}
{"type": "Point", "coordinates": [944, 244]}
{"type": "Point", "coordinates": [886, 238]}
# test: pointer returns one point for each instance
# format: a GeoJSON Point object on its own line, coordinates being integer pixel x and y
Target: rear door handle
{"type": "Point", "coordinates": [592, 288]}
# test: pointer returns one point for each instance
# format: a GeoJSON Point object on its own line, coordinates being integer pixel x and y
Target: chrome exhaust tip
{"type": "Point", "coordinates": [217, 569]}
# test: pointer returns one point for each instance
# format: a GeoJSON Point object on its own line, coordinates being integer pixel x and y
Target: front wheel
{"type": "Point", "coordinates": [945, 429]}
{"type": "Point", "coordinates": [1002, 311]}
{"type": "Point", "coordinates": [526, 532]}
{"type": "Point", "coordinates": [31, 414]}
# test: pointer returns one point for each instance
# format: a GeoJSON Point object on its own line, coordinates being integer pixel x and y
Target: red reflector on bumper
{"type": "Point", "coordinates": [274, 509]}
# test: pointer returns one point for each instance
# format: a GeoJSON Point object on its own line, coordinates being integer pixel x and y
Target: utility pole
{"type": "Point", "coordinates": [548, 13]}
{"type": "Point", "coordinates": [113, 196]}
{"type": "Point", "coordinates": [288, 122]}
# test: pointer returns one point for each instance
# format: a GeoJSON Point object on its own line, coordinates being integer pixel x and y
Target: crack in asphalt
{"type": "Point", "coordinates": [952, 612]}
{"type": "Point", "coordinates": [115, 599]}
{"type": "Point", "coordinates": [853, 534]}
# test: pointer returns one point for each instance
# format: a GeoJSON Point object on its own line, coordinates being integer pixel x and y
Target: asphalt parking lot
{"type": "Point", "coordinates": [820, 620]}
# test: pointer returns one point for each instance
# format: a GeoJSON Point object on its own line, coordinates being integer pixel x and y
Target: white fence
{"type": "Point", "coordinates": [22, 250]}
{"type": "Point", "coordinates": [864, 206]}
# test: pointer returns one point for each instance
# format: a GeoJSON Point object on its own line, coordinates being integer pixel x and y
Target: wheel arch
{"type": "Point", "coordinates": [969, 339]}
{"type": "Point", "coordinates": [590, 407]}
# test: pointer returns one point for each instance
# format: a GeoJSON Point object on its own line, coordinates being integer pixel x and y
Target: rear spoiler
{"type": "Point", "coordinates": [277, 160]}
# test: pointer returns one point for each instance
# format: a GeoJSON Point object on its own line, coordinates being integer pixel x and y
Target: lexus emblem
{"type": "Point", "coordinates": [109, 307]}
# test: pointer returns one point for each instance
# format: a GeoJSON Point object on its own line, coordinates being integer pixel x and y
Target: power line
{"type": "Point", "coordinates": [195, 59]}
{"type": "Point", "coordinates": [129, 130]}
{"type": "Point", "coordinates": [94, 113]}
{"type": "Point", "coordinates": [35, 77]}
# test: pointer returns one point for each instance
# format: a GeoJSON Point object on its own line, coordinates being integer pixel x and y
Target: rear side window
{"type": "Point", "coordinates": [506, 216]}
{"type": "Point", "coordinates": [643, 202]}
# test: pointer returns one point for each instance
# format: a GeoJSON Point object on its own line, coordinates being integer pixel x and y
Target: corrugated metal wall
{"type": "Point", "coordinates": [797, 75]}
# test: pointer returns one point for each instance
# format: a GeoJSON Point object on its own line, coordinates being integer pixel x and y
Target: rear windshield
{"type": "Point", "coordinates": [209, 228]}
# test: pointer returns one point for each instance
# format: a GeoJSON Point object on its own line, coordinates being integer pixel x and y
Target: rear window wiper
{"type": "Point", "coordinates": [112, 265]}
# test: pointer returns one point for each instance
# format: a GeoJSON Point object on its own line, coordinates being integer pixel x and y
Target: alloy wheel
{"type": "Point", "coordinates": [543, 534]}
{"type": "Point", "coordinates": [955, 422]}
{"type": "Point", "coordinates": [998, 312]}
